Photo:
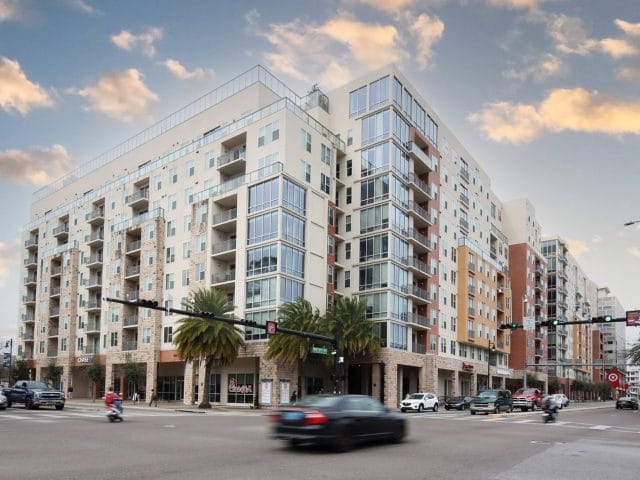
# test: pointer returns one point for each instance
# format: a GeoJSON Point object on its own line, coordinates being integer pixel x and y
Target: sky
{"type": "Point", "coordinates": [545, 94]}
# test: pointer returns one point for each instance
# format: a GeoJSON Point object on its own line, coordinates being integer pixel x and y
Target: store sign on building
{"type": "Point", "coordinates": [85, 359]}
{"type": "Point", "coordinates": [235, 388]}
{"type": "Point", "coordinates": [467, 366]}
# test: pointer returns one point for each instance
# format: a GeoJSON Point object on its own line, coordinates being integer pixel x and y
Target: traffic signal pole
{"type": "Point", "coordinates": [333, 341]}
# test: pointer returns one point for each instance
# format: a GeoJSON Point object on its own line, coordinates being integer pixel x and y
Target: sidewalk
{"type": "Point", "coordinates": [163, 405]}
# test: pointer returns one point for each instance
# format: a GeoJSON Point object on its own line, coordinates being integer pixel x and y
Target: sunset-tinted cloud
{"type": "Point", "coordinates": [144, 42]}
{"type": "Point", "coordinates": [179, 70]}
{"type": "Point", "coordinates": [17, 92]}
{"type": "Point", "coordinates": [36, 166]}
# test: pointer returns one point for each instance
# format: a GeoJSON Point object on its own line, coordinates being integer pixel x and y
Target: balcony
{"type": "Point", "coordinates": [31, 243]}
{"type": "Point", "coordinates": [233, 162]}
{"type": "Point", "coordinates": [539, 352]}
{"type": "Point", "coordinates": [419, 268]}
{"type": "Point", "coordinates": [418, 320]}
{"type": "Point", "coordinates": [471, 334]}
{"type": "Point", "coordinates": [53, 332]}
{"type": "Point", "coordinates": [61, 231]}
{"type": "Point", "coordinates": [54, 312]}
{"type": "Point", "coordinates": [423, 163]}
{"type": "Point", "coordinates": [224, 250]}
{"type": "Point", "coordinates": [95, 216]}
{"type": "Point", "coordinates": [95, 239]}
{"type": "Point", "coordinates": [540, 269]}
{"type": "Point", "coordinates": [92, 349]}
{"type": "Point", "coordinates": [421, 191]}
{"type": "Point", "coordinates": [55, 292]}
{"type": "Point", "coordinates": [464, 224]}
{"type": "Point", "coordinates": [92, 327]}
{"type": "Point", "coordinates": [132, 272]}
{"type": "Point", "coordinates": [130, 321]}
{"type": "Point", "coordinates": [129, 345]}
{"type": "Point", "coordinates": [93, 261]}
{"type": "Point", "coordinates": [471, 311]}
{"type": "Point", "coordinates": [94, 282]}
{"type": "Point", "coordinates": [30, 280]}
{"type": "Point", "coordinates": [139, 199]}
{"type": "Point", "coordinates": [418, 294]}
{"type": "Point", "coordinates": [221, 278]}
{"type": "Point", "coordinates": [226, 221]}
{"type": "Point", "coordinates": [28, 318]}
{"type": "Point", "coordinates": [471, 267]}
{"type": "Point", "coordinates": [29, 299]}
{"type": "Point", "coordinates": [500, 306]}
{"type": "Point", "coordinates": [421, 216]}
{"type": "Point", "coordinates": [31, 261]}
{"type": "Point", "coordinates": [421, 243]}
{"type": "Point", "coordinates": [56, 271]}
{"type": "Point", "coordinates": [464, 174]}
{"type": "Point", "coordinates": [464, 199]}
{"type": "Point", "coordinates": [27, 336]}
{"type": "Point", "coordinates": [419, 348]}
{"type": "Point", "coordinates": [133, 247]}
{"type": "Point", "coordinates": [52, 352]}
{"type": "Point", "coordinates": [93, 304]}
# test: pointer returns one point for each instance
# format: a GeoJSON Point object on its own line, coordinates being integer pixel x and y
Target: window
{"type": "Point", "coordinates": [347, 279]}
{"type": "Point", "coordinates": [146, 335]}
{"type": "Point", "coordinates": [374, 276]}
{"type": "Point", "coordinates": [261, 293]}
{"type": "Point", "coordinates": [305, 140]}
{"type": "Point", "coordinates": [358, 102]}
{"type": "Point", "coordinates": [186, 250]}
{"type": "Point", "coordinates": [305, 170]}
{"type": "Point", "coordinates": [375, 159]}
{"type": "Point", "coordinates": [260, 318]}
{"type": "Point", "coordinates": [347, 250]}
{"type": "Point", "coordinates": [294, 197]}
{"type": "Point", "coordinates": [374, 248]}
{"type": "Point", "coordinates": [349, 167]}
{"type": "Point", "coordinates": [262, 260]}
{"type": "Point", "coordinates": [292, 261]}
{"type": "Point", "coordinates": [186, 223]}
{"type": "Point", "coordinates": [379, 92]}
{"type": "Point", "coordinates": [262, 228]}
{"type": "Point", "coordinates": [347, 223]}
{"type": "Point", "coordinates": [171, 255]}
{"type": "Point", "coordinates": [169, 281]}
{"type": "Point", "coordinates": [190, 168]}
{"type": "Point", "coordinates": [375, 127]}
{"type": "Point", "coordinates": [397, 92]}
{"type": "Point", "coordinates": [185, 278]}
{"type": "Point", "coordinates": [349, 137]}
{"type": "Point", "coordinates": [374, 190]}
{"type": "Point", "coordinates": [167, 334]}
{"type": "Point", "coordinates": [330, 216]}
{"type": "Point", "coordinates": [200, 272]}
{"type": "Point", "coordinates": [268, 133]}
{"type": "Point", "coordinates": [172, 202]}
{"type": "Point", "coordinates": [293, 229]}
{"type": "Point", "coordinates": [374, 218]}
{"type": "Point", "coordinates": [157, 182]}
{"type": "Point", "coordinates": [240, 388]}
{"type": "Point", "coordinates": [202, 242]}
{"type": "Point", "coordinates": [171, 228]}
{"type": "Point", "coordinates": [263, 195]}
{"type": "Point", "coordinates": [376, 305]}
{"type": "Point", "coordinates": [330, 243]}
{"type": "Point", "coordinates": [325, 155]}
{"type": "Point", "coordinates": [330, 274]}
{"type": "Point", "coordinates": [325, 184]}
{"type": "Point", "coordinates": [432, 132]}
{"type": "Point", "coordinates": [348, 195]}
{"type": "Point", "coordinates": [398, 336]}
{"type": "Point", "coordinates": [114, 339]}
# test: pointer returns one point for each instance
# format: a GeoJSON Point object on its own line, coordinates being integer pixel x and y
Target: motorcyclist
{"type": "Point", "coordinates": [113, 399]}
{"type": "Point", "coordinates": [550, 406]}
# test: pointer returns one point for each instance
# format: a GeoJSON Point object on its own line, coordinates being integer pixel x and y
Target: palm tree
{"type": "Point", "coordinates": [349, 322]}
{"type": "Point", "coordinates": [289, 349]}
{"type": "Point", "coordinates": [215, 342]}
{"type": "Point", "coordinates": [634, 354]}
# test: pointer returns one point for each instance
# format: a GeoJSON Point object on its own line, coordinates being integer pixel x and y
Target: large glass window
{"type": "Point", "coordinates": [294, 197]}
{"type": "Point", "coordinates": [325, 154]}
{"type": "Point", "coordinates": [400, 128]}
{"type": "Point", "coordinates": [261, 293]}
{"type": "Point", "coordinates": [399, 277]}
{"type": "Point", "coordinates": [292, 261]}
{"type": "Point", "coordinates": [358, 102]}
{"type": "Point", "coordinates": [399, 249]}
{"type": "Point", "coordinates": [400, 161]}
{"type": "Point", "coordinates": [397, 92]}
{"type": "Point", "coordinates": [374, 218]}
{"type": "Point", "coordinates": [432, 133]}
{"type": "Point", "coordinates": [376, 305]}
{"type": "Point", "coordinates": [293, 229]}
{"type": "Point", "coordinates": [262, 228]}
{"type": "Point", "coordinates": [290, 290]}
{"type": "Point", "coordinates": [374, 190]}
{"type": "Point", "coordinates": [373, 160]}
{"type": "Point", "coordinates": [373, 248]}
{"type": "Point", "coordinates": [398, 336]}
{"type": "Point", "coordinates": [399, 220]}
{"type": "Point", "coordinates": [379, 92]}
{"type": "Point", "coordinates": [399, 191]}
{"type": "Point", "coordinates": [375, 127]}
{"type": "Point", "coordinates": [260, 318]}
{"type": "Point", "coordinates": [399, 307]}
{"type": "Point", "coordinates": [374, 276]}
{"type": "Point", "coordinates": [263, 195]}
{"type": "Point", "coordinates": [214, 388]}
{"type": "Point", "coordinates": [419, 116]}
{"type": "Point", "coordinates": [262, 260]}
{"type": "Point", "coordinates": [240, 388]}
{"type": "Point", "coordinates": [305, 140]}
{"type": "Point", "coordinates": [268, 133]}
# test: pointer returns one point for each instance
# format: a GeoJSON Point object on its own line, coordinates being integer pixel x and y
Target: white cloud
{"type": "Point", "coordinates": [9, 10]}
{"type": "Point", "coordinates": [574, 109]}
{"type": "Point", "coordinates": [179, 71]}
{"type": "Point", "coordinates": [9, 257]}
{"type": "Point", "coordinates": [17, 92]}
{"type": "Point", "coordinates": [428, 31]}
{"type": "Point", "coordinates": [38, 165]}
{"type": "Point", "coordinates": [577, 247]}
{"type": "Point", "coordinates": [390, 6]}
{"type": "Point", "coordinates": [516, 4]}
{"type": "Point", "coordinates": [120, 95]}
{"type": "Point", "coordinates": [538, 69]}
{"type": "Point", "coordinates": [617, 48]}
{"type": "Point", "coordinates": [631, 74]}
{"type": "Point", "coordinates": [143, 42]}
{"type": "Point", "coordinates": [632, 29]}
{"type": "Point", "coordinates": [82, 6]}
{"type": "Point", "coordinates": [596, 239]}
{"type": "Point", "coordinates": [635, 251]}
{"type": "Point", "coordinates": [570, 36]}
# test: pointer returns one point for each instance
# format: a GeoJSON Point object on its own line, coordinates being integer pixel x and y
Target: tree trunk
{"type": "Point", "coordinates": [207, 380]}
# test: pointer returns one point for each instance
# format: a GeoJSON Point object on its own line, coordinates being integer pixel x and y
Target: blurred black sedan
{"type": "Point", "coordinates": [339, 422]}
{"type": "Point", "coordinates": [627, 402]}
{"type": "Point", "coordinates": [457, 403]}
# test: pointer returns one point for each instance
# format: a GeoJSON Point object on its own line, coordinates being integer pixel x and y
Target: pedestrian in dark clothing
{"type": "Point", "coordinates": [153, 397]}
{"type": "Point", "coordinates": [294, 397]}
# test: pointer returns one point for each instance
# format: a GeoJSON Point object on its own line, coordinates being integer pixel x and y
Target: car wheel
{"type": "Point", "coordinates": [420, 408]}
{"type": "Point", "coordinates": [510, 408]}
{"type": "Point", "coordinates": [402, 410]}
{"type": "Point", "coordinates": [398, 437]}
{"type": "Point", "coordinates": [446, 407]}
{"type": "Point", "coordinates": [8, 404]}
{"type": "Point", "coordinates": [346, 441]}
{"type": "Point", "coordinates": [59, 407]}
{"type": "Point", "coordinates": [28, 404]}
{"type": "Point", "coordinates": [435, 407]}
{"type": "Point", "coordinates": [473, 412]}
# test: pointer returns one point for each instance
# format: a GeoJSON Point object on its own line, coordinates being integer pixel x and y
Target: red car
{"type": "Point", "coordinates": [527, 398]}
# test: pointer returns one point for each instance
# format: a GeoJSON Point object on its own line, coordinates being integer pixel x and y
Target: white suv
{"type": "Point", "coordinates": [420, 402]}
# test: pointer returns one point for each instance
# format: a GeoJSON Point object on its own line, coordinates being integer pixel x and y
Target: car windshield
{"type": "Point", "coordinates": [528, 391]}
{"type": "Point", "coordinates": [456, 399]}
{"type": "Point", "coordinates": [490, 395]}
{"type": "Point", "coordinates": [317, 401]}
{"type": "Point", "coordinates": [36, 385]}
{"type": "Point", "coordinates": [416, 396]}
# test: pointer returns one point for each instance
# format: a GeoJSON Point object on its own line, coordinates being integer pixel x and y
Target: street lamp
{"type": "Point", "coordinates": [491, 349]}
{"type": "Point", "coordinates": [525, 302]}
{"type": "Point", "coordinates": [627, 224]}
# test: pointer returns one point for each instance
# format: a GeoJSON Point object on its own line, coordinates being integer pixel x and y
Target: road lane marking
{"type": "Point", "coordinates": [600, 427]}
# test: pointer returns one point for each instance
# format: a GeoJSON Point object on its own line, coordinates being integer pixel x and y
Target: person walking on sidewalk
{"type": "Point", "coordinates": [153, 397]}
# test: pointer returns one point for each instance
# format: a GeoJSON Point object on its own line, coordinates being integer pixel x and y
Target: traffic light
{"type": "Point", "coordinates": [147, 303]}
{"type": "Point", "coordinates": [608, 318]}
{"type": "Point", "coordinates": [509, 326]}
{"type": "Point", "coordinates": [603, 319]}
{"type": "Point", "coordinates": [549, 323]}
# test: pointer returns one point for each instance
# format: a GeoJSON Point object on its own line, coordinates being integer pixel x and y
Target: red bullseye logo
{"type": "Point", "coordinates": [613, 377]}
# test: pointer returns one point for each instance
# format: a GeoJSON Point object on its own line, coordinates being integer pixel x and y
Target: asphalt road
{"type": "Point", "coordinates": [79, 443]}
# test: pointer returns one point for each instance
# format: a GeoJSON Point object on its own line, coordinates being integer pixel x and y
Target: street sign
{"type": "Point", "coordinates": [319, 350]}
{"type": "Point", "coordinates": [633, 318]}
{"type": "Point", "coordinates": [529, 323]}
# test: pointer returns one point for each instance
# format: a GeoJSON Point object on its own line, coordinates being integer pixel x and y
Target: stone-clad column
{"type": "Point", "coordinates": [189, 385]}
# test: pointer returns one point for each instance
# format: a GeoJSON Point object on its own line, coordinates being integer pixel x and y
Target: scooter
{"type": "Point", "coordinates": [113, 413]}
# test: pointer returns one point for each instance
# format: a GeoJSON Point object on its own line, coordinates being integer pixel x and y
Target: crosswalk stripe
{"type": "Point", "coordinates": [600, 427]}
{"type": "Point", "coordinates": [524, 421]}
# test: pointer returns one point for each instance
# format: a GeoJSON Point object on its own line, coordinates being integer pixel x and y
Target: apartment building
{"type": "Point", "coordinates": [572, 296]}
{"type": "Point", "coordinates": [255, 190]}
{"type": "Point", "coordinates": [528, 272]}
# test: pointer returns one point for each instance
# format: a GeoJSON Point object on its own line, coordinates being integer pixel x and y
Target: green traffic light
{"type": "Point", "coordinates": [554, 322]}
{"type": "Point", "coordinates": [608, 318]}
{"type": "Point", "coordinates": [514, 325]}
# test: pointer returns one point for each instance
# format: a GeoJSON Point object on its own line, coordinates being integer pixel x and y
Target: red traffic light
{"type": "Point", "coordinates": [147, 303]}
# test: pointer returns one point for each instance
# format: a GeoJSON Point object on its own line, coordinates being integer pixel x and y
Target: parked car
{"type": "Point", "coordinates": [527, 398]}
{"type": "Point", "coordinates": [491, 401]}
{"type": "Point", "coordinates": [457, 403]}
{"type": "Point", "coordinates": [561, 399]}
{"type": "Point", "coordinates": [627, 402]}
{"type": "Point", "coordinates": [420, 402]}
{"type": "Point", "coordinates": [337, 421]}
{"type": "Point", "coordinates": [3, 402]}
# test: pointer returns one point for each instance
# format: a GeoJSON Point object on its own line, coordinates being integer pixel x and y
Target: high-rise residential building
{"type": "Point", "coordinates": [528, 272]}
{"type": "Point", "coordinates": [270, 196]}
{"type": "Point", "coordinates": [614, 333]}
{"type": "Point", "coordinates": [572, 296]}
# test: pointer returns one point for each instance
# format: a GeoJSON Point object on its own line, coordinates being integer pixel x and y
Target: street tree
{"type": "Point", "coordinates": [213, 342]}
{"type": "Point", "coordinates": [290, 349]}
{"type": "Point", "coordinates": [53, 373]}
{"type": "Point", "coordinates": [96, 374]}
{"type": "Point", "coordinates": [134, 372]}
{"type": "Point", "coordinates": [20, 371]}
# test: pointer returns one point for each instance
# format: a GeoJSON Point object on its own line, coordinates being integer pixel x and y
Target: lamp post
{"type": "Point", "coordinates": [525, 302]}
{"type": "Point", "coordinates": [490, 350]}
{"type": "Point", "coordinates": [9, 345]}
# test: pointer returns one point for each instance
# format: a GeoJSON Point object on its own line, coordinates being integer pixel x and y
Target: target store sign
{"type": "Point", "coordinates": [613, 378]}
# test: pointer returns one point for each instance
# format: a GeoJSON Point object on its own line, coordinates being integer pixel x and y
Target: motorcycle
{"type": "Point", "coordinates": [113, 413]}
{"type": "Point", "coordinates": [549, 415]}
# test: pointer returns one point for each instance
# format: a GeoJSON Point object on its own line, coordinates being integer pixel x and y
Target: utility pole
{"type": "Point", "coordinates": [9, 345]}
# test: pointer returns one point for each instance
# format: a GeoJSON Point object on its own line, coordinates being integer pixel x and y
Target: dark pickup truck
{"type": "Point", "coordinates": [34, 394]}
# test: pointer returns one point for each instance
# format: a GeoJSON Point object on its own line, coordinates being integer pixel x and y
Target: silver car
{"type": "Point", "coordinates": [561, 399]}
{"type": "Point", "coordinates": [3, 402]}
